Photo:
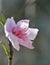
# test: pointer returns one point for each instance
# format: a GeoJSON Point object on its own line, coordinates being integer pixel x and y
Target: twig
{"type": "Point", "coordinates": [11, 52]}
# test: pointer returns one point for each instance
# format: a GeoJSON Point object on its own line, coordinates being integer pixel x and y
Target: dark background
{"type": "Point", "coordinates": [38, 11]}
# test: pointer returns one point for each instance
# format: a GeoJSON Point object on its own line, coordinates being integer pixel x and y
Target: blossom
{"type": "Point", "coordinates": [20, 33]}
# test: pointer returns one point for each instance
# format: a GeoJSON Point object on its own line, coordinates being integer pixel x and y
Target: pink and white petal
{"type": "Point", "coordinates": [32, 33]}
{"type": "Point", "coordinates": [14, 40]}
{"type": "Point", "coordinates": [26, 43]}
{"type": "Point", "coordinates": [10, 23]}
{"type": "Point", "coordinates": [24, 24]}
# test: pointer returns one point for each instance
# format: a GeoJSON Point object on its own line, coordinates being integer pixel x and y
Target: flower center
{"type": "Point", "coordinates": [20, 33]}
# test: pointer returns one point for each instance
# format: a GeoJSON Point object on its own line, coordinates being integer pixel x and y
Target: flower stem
{"type": "Point", "coordinates": [11, 53]}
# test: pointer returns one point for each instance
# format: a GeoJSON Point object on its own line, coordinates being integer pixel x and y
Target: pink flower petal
{"type": "Point", "coordinates": [26, 43]}
{"type": "Point", "coordinates": [20, 34]}
{"type": "Point", "coordinates": [32, 33]}
{"type": "Point", "coordinates": [14, 40]}
{"type": "Point", "coordinates": [10, 23]}
{"type": "Point", "coordinates": [23, 24]}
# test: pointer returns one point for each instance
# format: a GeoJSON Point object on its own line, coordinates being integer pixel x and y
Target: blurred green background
{"type": "Point", "coordinates": [38, 11]}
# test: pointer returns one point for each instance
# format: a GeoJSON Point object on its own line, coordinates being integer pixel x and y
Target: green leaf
{"type": "Point", "coordinates": [1, 30]}
{"type": "Point", "coordinates": [2, 19]}
{"type": "Point", "coordinates": [7, 52]}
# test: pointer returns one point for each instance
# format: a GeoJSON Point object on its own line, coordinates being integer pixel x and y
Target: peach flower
{"type": "Point", "coordinates": [20, 33]}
